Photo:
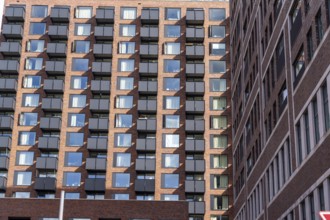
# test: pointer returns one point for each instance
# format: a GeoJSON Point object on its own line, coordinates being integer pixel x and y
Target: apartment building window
{"type": "Point", "coordinates": [171, 140]}
{"type": "Point", "coordinates": [121, 180]}
{"type": "Point", "coordinates": [95, 196]}
{"type": "Point", "coordinates": [171, 121]}
{"type": "Point", "coordinates": [27, 138]}
{"type": "Point", "coordinates": [282, 97]}
{"type": "Point", "coordinates": [218, 85]}
{"type": "Point", "coordinates": [311, 206]}
{"type": "Point", "coordinates": [74, 139]}
{"type": "Point", "coordinates": [121, 196]}
{"type": "Point", "coordinates": [21, 195]}
{"type": "Point", "coordinates": [79, 64]}
{"type": "Point", "coordinates": [123, 140]}
{"type": "Point", "coordinates": [219, 202]}
{"type": "Point", "coordinates": [37, 28]}
{"type": "Point", "coordinates": [77, 101]}
{"type": "Point", "coordinates": [128, 13]}
{"type": "Point", "coordinates": [123, 101]}
{"type": "Point", "coordinates": [299, 143]}
{"type": "Point", "coordinates": [219, 161]}
{"type": "Point", "coordinates": [303, 210]}
{"type": "Point", "coordinates": [217, 66]}
{"type": "Point", "coordinates": [218, 122]}
{"type": "Point", "coordinates": [171, 66]}
{"type": "Point", "coordinates": [39, 11]}
{"type": "Point", "coordinates": [219, 217]}
{"type": "Point", "coordinates": [299, 63]}
{"type": "Point", "coordinates": [170, 181]}
{"type": "Point", "coordinates": [22, 178]}
{"type": "Point", "coordinates": [310, 48]}
{"type": "Point", "coordinates": [72, 196]}
{"type": "Point", "coordinates": [127, 30]}
{"type": "Point", "coordinates": [83, 12]}
{"type": "Point", "coordinates": [219, 141]}
{"type": "Point", "coordinates": [28, 119]}
{"type": "Point", "coordinates": [321, 197]}
{"type": "Point", "coordinates": [71, 179]}
{"type": "Point", "coordinates": [217, 31]}
{"type": "Point", "coordinates": [218, 103]}
{"type": "Point", "coordinates": [127, 47]}
{"type": "Point", "coordinates": [172, 31]}
{"type": "Point", "coordinates": [319, 27]}
{"type": "Point", "coordinates": [219, 181]}
{"type": "Point", "coordinates": [125, 83]}
{"type": "Point", "coordinates": [82, 29]}
{"type": "Point", "coordinates": [76, 120]}
{"type": "Point", "coordinates": [33, 63]}
{"type": "Point", "coordinates": [217, 14]}
{"type": "Point", "coordinates": [35, 46]}
{"type": "Point", "coordinates": [144, 197]}
{"type": "Point", "coordinates": [30, 100]}
{"type": "Point", "coordinates": [79, 82]}
{"type": "Point", "coordinates": [307, 133]}
{"type": "Point", "coordinates": [171, 102]}
{"type": "Point", "coordinates": [218, 49]}
{"type": "Point", "coordinates": [81, 46]}
{"type": "Point", "coordinates": [31, 82]}
{"type": "Point", "coordinates": [73, 159]}
{"type": "Point", "coordinates": [316, 121]}
{"type": "Point", "coordinates": [171, 84]}
{"type": "Point", "coordinates": [172, 48]}
{"type": "Point", "coordinates": [172, 13]}
{"type": "Point", "coordinates": [325, 103]}
{"type": "Point", "coordinates": [122, 159]}
{"type": "Point", "coordinates": [170, 160]}
{"type": "Point", "coordinates": [123, 121]}
{"type": "Point", "coordinates": [170, 197]}
{"type": "Point", "coordinates": [126, 65]}
{"type": "Point", "coordinates": [24, 158]}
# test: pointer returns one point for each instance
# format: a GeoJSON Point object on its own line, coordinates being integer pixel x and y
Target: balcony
{"type": "Point", "coordinates": [146, 125]}
{"type": "Point", "coordinates": [149, 50]}
{"type": "Point", "coordinates": [148, 87]}
{"type": "Point", "coordinates": [195, 69]}
{"type": "Point", "coordinates": [147, 106]}
{"type": "Point", "coordinates": [5, 142]}
{"type": "Point", "coordinates": [56, 49]}
{"type": "Point", "coordinates": [45, 183]}
{"type": "Point", "coordinates": [99, 164]}
{"type": "Point", "coordinates": [195, 52]}
{"type": "Point", "coordinates": [8, 84]}
{"type": "Point", "coordinates": [52, 104]}
{"type": "Point", "coordinates": [9, 66]}
{"type": "Point", "coordinates": [53, 85]}
{"type": "Point", "coordinates": [4, 162]}
{"type": "Point", "coordinates": [6, 122]}
{"type": "Point", "coordinates": [195, 126]}
{"type": "Point", "coordinates": [146, 144]}
{"type": "Point", "coordinates": [195, 107]}
{"type": "Point", "coordinates": [3, 183]}
{"type": "Point", "coordinates": [7, 103]}
{"type": "Point", "coordinates": [145, 165]}
{"type": "Point", "coordinates": [101, 68]}
{"type": "Point", "coordinates": [97, 184]}
{"type": "Point", "coordinates": [60, 14]}
{"type": "Point", "coordinates": [103, 33]}
{"type": "Point", "coordinates": [98, 124]}
{"type": "Point", "coordinates": [194, 186]}
{"type": "Point", "coordinates": [100, 86]}
{"type": "Point", "coordinates": [105, 15]}
{"type": "Point", "coordinates": [148, 69]}
{"type": "Point", "coordinates": [50, 123]}
{"type": "Point", "coordinates": [99, 105]}
{"type": "Point", "coordinates": [10, 48]}
{"type": "Point", "coordinates": [195, 166]}
{"type": "Point", "coordinates": [102, 50]}
{"type": "Point", "coordinates": [194, 145]}
{"type": "Point", "coordinates": [55, 67]}
{"type": "Point", "coordinates": [150, 16]}
{"type": "Point", "coordinates": [195, 88]}
{"type": "Point", "coordinates": [195, 17]}
{"type": "Point", "coordinates": [195, 34]}
{"type": "Point", "coordinates": [15, 13]}
{"type": "Point", "coordinates": [58, 32]}
{"type": "Point", "coordinates": [97, 144]}
{"type": "Point", "coordinates": [49, 143]}
{"type": "Point", "coordinates": [12, 31]}
{"type": "Point", "coordinates": [196, 208]}
{"type": "Point", "coordinates": [144, 185]}
{"type": "Point", "coordinates": [46, 163]}
{"type": "Point", "coordinates": [149, 33]}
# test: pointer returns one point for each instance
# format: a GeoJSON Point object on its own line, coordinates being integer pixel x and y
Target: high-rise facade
{"type": "Point", "coordinates": [116, 100]}
{"type": "Point", "coordinates": [280, 89]}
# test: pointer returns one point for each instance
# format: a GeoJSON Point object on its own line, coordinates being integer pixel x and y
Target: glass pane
{"type": "Point", "coordinates": [38, 28]}
{"type": "Point", "coordinates": [79, 64]}
{"type": "Point", "coordinates": [173, 13]}
{"type": "Point", "coordinates": [172, 31]}
{"type": "Point", "coordinates": [39, 11]}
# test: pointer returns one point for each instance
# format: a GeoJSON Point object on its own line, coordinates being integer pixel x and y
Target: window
{"type": "Point", "coordinates": [218, 85]}
{"type": "Point", "coordinates": [218, 49]}
{"type": "Point", "coordinates": [76, 120]}
{"type": "Point", "coordinates": [24, 158]}
{"type": "Point", "coordinates": [219, 202]}
{"type": "Point", "coordinates": [218, 103]}
{"type": "Point", "coordinates": [127, 47]}
{"type": "Point", "coordinates": [219, 141]}
{"type": "Point", "coordinates": [218, 122]}
{"type": "Point", "coordinates": [22, 178]}
{"type": "Point", "coordinates": [127, 30]}
{"type": "Point", "coordinates": [75, 139]}
{"type": "Point", "coordinates": [170, 160]}
{"type": "Point", "coordinates": [37, 28]}
{"type": "Point", "coordinates": [171, 66]}
{"type": "Point", "coordinates": [170, 180]}
{"type": "Point", "coordinates": [121, 179]}
{"type": "Point", "coordinates": [306, 120]}
{"type": "Point", "coordinates": [72, 196]}
{"type": "Point", "coordinates": [173, 13]}
{"type": "Point", "coordinates": [79, 64]}
{"type": "Point", "coordinates": [219, 217]}
{"type": "Point", "coordinates": [73, 159]}
{"type": "Point", "coordinates": [77, 101]}
{"type": "Point", "coordinates": [123, 121]}
{"type": "Point", "coordinates": [316, 121]}
{"type": "Point", "coordinates": [128, 13]}
{"type": "Point", "coordinates": [171, 102]}
{"type": "Point", "coordinates": [71, 179]}
{"type": "Point", "coordinates": [79, 82]}
{"type": "Point", "coordinates": [299, 143]}
{"type": "Point", "coordinates": [126, 65]}
{"type": "Point", "coordinates": [310, 42]}
{"type": "Point", "coordinates": [95, 196]}
{"type": "Point", "coordinates": [121, 196]}
{"type": "Point", "coordinates": [124, 101]}
{"type": "Point", "coordinates": [217, 31]}
{"type": "Point", "coordinates": [219, 161]}
{"type": "Point", "coordinates": [217, 14]}
{"type": "Point", "coordinates": [33, 63]}
{"type": "Point", "coordinates": [171, 140]}
{"type": "Point", "coordinates": [28, 119]}
{"type": "Point", "coordinates": [81, 46]}
{"type": "Point", "coordinates": [22, 195]}
{"type": "Point", "coordinates": [125, 83]}
{"type": "Point", "coordinates": [82, 29]}
{"type": "Point", "coordinates": [35, 46]}
{"type": "Point", "coordinates": [27, 138]}
{"type": "Point", "coordinates": [319, 27]}
{"type": "Point", "coordinates": [219, 181]}
{"type": "Point", "coordinates": [172, 48]}
{"type": "Point", "coordinates": [170, 197]}
{"type": "Point", "coordinates": [325, 103]}
{"type": "Point", "coordinates": [123, 140]}
{"type": "Point", "coordinates": [122, 159]}
{"type": "Point", "coordinates": [144, 197]}
{"type": "Point", "coordinates": [171, 121]}
{"type": "Point", "coordinates": [31, 82]}
{"type": "Point", "coordinates": [299, 64]}
{"type": "Point", "coordinates": [83, 12]}
{"type": "Point", "coordinates": [172, 31]}
{"type": "Point", "coordinates": [217, 66]}
{"type": "Point", "coordinates": [39, 11]}
{"type": "Point", "coordinates": [30, 100]}
{"type": "Point", "coordinates": [171, 84]}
